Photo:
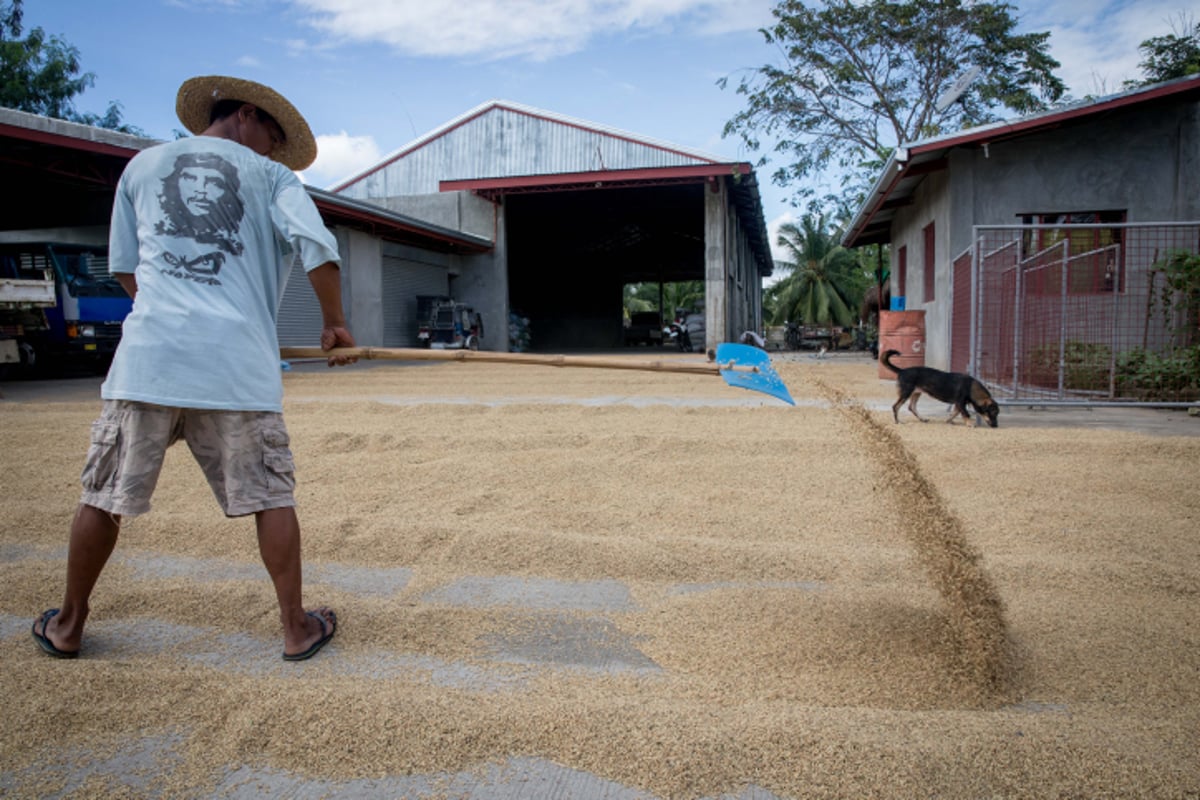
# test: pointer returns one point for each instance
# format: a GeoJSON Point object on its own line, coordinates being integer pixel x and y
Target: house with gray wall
{"type": "Point", "coordinates": [1125, 169]}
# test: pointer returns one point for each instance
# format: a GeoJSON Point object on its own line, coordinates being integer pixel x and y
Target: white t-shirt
{"type": "Point", "coordinates": [750, 337]}
{"type": "Point", "coordinates": [210, 229]}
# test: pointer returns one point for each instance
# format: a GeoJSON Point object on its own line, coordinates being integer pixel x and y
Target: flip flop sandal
{"type": "Point", "coordinates": [319, 643]}
{"type": "Point", "coordinates": [44, 641]}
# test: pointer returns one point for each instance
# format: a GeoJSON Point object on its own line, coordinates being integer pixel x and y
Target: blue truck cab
{"type": "Point", "coordinates": [83, 326]}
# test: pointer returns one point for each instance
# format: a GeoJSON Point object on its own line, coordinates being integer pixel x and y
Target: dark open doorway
{"type": "Point", "coordinates": [570, 253]}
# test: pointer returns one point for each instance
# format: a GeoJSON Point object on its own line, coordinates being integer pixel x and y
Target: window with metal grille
{"type": "Point", "coordinates": [1094, 255]}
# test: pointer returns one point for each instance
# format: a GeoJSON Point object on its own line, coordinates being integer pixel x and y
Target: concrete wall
{"type": "Point", "coordinates": [479, 280]}
{"type": "Point", "coordinates": [361, 273]}
{"type": "Point", "coordinates": [931, 203]}
{"type": "Point", "coordinates": [1137, 160]}
{"type": "Point", "coordinates": [1187, 188]}
{"type": "Point", "coordinates": [459, 211]}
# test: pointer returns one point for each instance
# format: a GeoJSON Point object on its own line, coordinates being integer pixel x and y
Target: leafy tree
{"type": "Point", "coordinates": [1175, 55]}
{"type": "Point", "coordinates": [823, 282]}
{"type": "Point", "coordinates": [860, 77]}
{"type": "Point", "coordinates": [640, 297]}
{"type": "Point", "coordinates": [42, 75]}
{"type": "Point", "coordinates": [677, 294]}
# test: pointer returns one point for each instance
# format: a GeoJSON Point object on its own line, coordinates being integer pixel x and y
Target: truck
{"type": "Point", "coordinates": [59, 307]}
{"type": "Point", "coordinates": [444, 324]}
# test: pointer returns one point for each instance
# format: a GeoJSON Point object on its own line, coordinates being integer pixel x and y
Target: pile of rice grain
{"type": "Point", "coordinates": [832, 605]}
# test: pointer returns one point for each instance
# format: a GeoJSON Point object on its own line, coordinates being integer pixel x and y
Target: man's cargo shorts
{"type": "Point", "coordinates": [244, 455]}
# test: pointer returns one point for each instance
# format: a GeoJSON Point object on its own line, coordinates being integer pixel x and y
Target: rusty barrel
{"type": "Point", "coordinates": [903, 331]}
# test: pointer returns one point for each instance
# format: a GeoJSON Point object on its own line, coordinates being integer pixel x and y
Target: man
{"type": "Point", "coordinates": [204, 233]}
{"type": "Point", "coordinates": [753, 339]}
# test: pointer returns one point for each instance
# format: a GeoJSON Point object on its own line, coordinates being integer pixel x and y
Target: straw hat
{"type": "Point", "coordinates": [198, 95]}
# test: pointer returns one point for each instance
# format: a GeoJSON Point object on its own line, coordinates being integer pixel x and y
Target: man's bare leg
{"type": "Point", "coordinates": [93, 537]}
{"type": "Point", "coordinates": [279, 545]}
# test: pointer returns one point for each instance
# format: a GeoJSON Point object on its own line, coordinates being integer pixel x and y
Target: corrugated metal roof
{"type": "Point", "coordinates": [37, 140]}
{"type": "Point", "coordinates": [910, 163]}
{"type": "Point", "coordinates": [500, 139]}
{"type": "Point", "coordinates": [502, 147]}
{"type": "Point", "coordinates": [47, 130]}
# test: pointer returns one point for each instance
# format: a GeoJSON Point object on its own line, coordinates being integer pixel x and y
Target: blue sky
{"type": "Point", "coordinates": [372, 75]}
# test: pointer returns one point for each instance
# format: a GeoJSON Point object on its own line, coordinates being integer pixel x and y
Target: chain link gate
{"type": "Point", "coordinates": [1081, 314]}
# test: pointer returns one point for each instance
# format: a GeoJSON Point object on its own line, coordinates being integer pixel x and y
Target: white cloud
{"type": "Point", "coordinates": [1097, 43]}
{"type": "Point", "coordinates": [339, 156]}
{"type": "Point", "coordinates": [534, 29]}
{"type": "Point", "coordinates": [735, 16]}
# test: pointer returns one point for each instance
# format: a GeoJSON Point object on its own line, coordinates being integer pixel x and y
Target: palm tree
{"type": "Point", "coordinates": [646, 296]}
{"type": "Point", "coordinates": [820, 279]}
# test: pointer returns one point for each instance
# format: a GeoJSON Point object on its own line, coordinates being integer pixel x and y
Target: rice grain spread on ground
{"type": "Point", "coordinates": [608, 584]}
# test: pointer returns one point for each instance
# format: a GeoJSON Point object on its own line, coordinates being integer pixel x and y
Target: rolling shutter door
{"type": "Point", "coordinates": [403, 280]}
{"type": "Point", "coordinates": [299, 321]}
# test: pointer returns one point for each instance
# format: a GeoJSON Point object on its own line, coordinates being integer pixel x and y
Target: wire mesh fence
{"type": "Point", "coordinates": [1081, 313]}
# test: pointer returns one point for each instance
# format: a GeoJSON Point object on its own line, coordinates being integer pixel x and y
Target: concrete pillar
{"type": "Point", "coordinates": [362, 285]}
{"type": "Point", "coordinates": [716, 247]}
{"type": "Point", "coordinates": [482, 283]}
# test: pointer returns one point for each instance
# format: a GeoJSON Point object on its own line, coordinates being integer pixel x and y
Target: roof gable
{"type": "Point", "coordinates": [501, 139]}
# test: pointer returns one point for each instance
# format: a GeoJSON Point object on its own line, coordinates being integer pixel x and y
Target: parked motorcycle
{"type": "Point", "coordinates": [794, 335]}
{"type": "Point", "coordinates": [677, 333]}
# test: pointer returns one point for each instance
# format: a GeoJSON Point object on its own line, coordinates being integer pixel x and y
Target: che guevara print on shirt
{"type": "Point", "coordinates": [201, 201]}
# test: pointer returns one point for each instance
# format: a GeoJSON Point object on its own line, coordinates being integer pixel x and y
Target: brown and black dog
{"type": "Point", "coordinates": [956, 388]}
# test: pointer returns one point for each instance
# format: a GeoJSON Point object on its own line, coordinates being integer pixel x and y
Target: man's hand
{"type": "Point", "coordinates": [336, 336]}
{"type": "Point", "coordinates": [326, 282]}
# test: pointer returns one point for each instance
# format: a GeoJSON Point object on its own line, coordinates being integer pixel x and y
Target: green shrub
{"type": "Point", "coordinates": [1173, 376]}
{"type": "Point", "coordinates": [1180, 293]}
{"type": "Point", "coordinates": [1086, 365]}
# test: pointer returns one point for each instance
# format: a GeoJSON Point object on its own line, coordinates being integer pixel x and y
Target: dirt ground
{"type": "Point", "coordinates": [608, 584]}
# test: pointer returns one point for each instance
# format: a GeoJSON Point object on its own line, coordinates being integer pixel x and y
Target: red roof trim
{"type": "Point", "coordinates": [62, 140]}
{"type": "Point", "coordinates": [493, 106]}
{"type": "Point", "coordinates": [598, 176]}
{"type": "Point", "coordinates": [876, 205]}
{"type": "Point", "coordinates": [1030, 124]}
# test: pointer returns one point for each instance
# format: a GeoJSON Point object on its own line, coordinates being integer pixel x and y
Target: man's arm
{"type": "Point", "coordinates": [326, 281]}
{"type": "Point", "coordinates": [128, 282]}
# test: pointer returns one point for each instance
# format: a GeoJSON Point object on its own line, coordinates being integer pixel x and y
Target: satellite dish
{"type": "Point", "coordinates": [956, 89]}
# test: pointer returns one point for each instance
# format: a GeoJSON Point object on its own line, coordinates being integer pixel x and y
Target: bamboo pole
{"type": "Point", "coordinates": [417, 354]}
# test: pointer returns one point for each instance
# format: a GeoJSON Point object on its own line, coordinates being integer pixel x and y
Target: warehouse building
{"type": "Point", "coordinates": [576, 211]}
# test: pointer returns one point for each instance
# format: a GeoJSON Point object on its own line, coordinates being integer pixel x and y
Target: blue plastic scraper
{"type": "Point", "coordinates": [750, 368]}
